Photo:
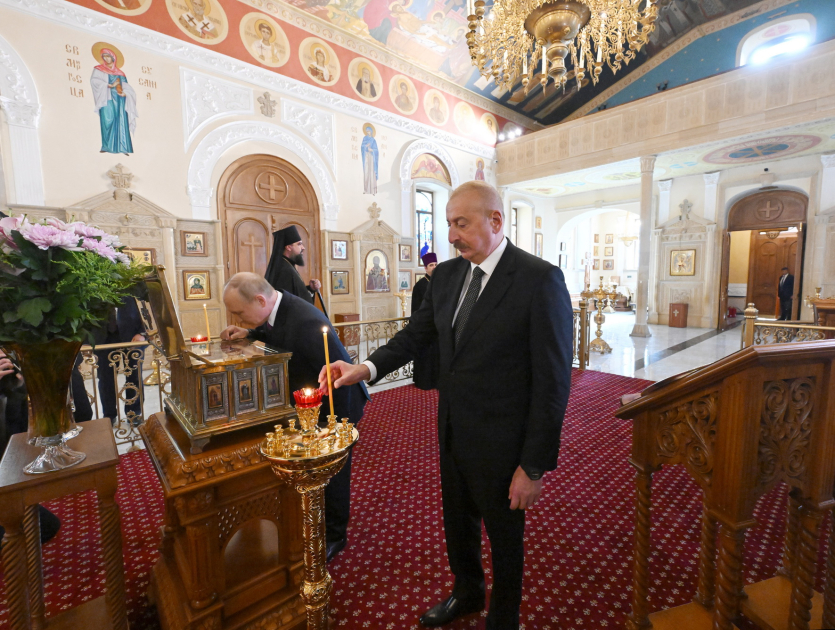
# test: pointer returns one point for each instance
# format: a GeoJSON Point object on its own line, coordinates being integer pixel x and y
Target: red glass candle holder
{"type": "Point", "coordinates": [309, 397]}
{"type": "Point", "coordinates": [199, 338]}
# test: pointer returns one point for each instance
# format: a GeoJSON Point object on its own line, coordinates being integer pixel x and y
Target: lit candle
{"type": "Point", "coordinates": [328, 367]}
{"type": "Point", "coordinates": [206, 315]}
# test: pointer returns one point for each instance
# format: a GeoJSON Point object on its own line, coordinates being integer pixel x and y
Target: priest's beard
{"type": "Point", "coordinates": [297, 260]}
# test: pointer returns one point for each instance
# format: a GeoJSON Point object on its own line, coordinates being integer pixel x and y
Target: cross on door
{"type": "Point", "coordinates": [272, 187]}
{"type": "Point", "coordinates": [675, 312]}
{"type": "Point", "coordinates": [252, 244]}
{"type": "Point", "coordinates": [766, 212]}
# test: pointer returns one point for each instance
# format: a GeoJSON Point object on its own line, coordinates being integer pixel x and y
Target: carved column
{"type": "Point", "coordinates": [792, 525]}
{"type": "Point", "coordinates": [25, 151]}
{"type": "Point", "coordinates": [805, 562]}
{"type": "Point", "coordinates": [711, 272]}
{"type": "Point", "coordinates": [729, 582]}
{"type": "Point", "coordinates": [829, 585]}
{"type": "Point", "coordinates": [639, 616]}
{"type": "Point", "coordinates": [169, 254]}
{"type": "Point", "coordinates": [32, 531]}
{"type": "Point", "coordinates": [644, 277]}
{"type": "Point", "coordinates": [656, 264]}
{"type": "Point", "coordinates": [111, 542]}
{"type": "Point", "coordinates": [707, 560]}
{"type": "Point", "coordinates": [201, 541]}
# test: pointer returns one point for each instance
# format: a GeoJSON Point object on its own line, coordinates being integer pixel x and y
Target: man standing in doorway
{"type": "Point", "coordinates": [503, 322]}
{"type": "Point", "coordinates": [785, 291]}
{"type": "Point", "coordinates": [288, 250]}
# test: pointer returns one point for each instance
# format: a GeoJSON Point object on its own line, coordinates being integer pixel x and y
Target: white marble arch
{"type": "Point", "coordinates": [410, 154]}
{"type": "Point", "coordinates": [19, 102]}
{"type": "Point", "coordinates": [209, 150]}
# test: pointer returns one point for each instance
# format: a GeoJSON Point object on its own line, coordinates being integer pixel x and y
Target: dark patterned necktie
{"type": "Point", "coordinates": [470, 299]}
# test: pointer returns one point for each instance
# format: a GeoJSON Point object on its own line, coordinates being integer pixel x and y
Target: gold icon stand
{"type": "Point", "coordinates": [307, 459]}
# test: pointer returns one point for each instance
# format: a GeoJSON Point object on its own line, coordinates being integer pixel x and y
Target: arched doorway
{"type": "Point", "coordinates": [771, 225]}
{"type": "Point", "coordinates": [257, 195]}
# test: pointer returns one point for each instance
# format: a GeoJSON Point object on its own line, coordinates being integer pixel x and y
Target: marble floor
{"type": "Point", "coordinates": [669, 351]}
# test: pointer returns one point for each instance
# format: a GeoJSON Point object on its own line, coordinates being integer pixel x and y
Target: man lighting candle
{"type": "Point", "coordinates": [503, 322]}
{"type": "Point", "coordinates": [284, 321]}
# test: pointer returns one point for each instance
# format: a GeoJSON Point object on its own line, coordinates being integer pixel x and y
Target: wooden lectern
{"type": "Point", "coordinates": [740, 426]}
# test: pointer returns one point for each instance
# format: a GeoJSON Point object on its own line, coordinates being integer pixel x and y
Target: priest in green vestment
{"type": "Point", "coordinates": [288, 250]}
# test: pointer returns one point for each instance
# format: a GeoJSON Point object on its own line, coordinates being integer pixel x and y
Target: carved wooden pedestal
{"type": "Point", "coordinates": [757, 418]}
{"type": "Point", "coordinates": [232, 547]}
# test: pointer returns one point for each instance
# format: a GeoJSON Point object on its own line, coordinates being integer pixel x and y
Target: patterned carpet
{"type": "Point", "coordinates": [578, 544]}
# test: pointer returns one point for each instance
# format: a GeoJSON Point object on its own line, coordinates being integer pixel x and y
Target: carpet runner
{"type": "Point", "coordinates": [578, 537]}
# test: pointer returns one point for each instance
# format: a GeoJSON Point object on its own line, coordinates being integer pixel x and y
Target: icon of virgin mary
{"type": "Point", "coordinates": [115, 100]}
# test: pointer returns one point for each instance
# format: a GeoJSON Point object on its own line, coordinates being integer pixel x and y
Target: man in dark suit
{"type": "Point", "coordinates": [785, 291]}
{"type": "Point", "coordinates": [285, 321]}
{"type": "Point", "coordinates": [425, 366]}
{"type": "Point", "coordinates": [503, 320]}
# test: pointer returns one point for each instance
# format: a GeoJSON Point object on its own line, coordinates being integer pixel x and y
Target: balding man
{"type": "Point", "coordinates": [503, 322]}
{"type": "Point", "coordinates": [285, 321]}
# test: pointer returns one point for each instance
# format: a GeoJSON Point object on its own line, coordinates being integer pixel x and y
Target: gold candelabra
{"type": "Point", "coordinates": [530, 40]}
{"type": "Point", "coordinates": [600, 295]}
{"type": "Point", "coordinates": [403, 295]}
{"type": "Point", "coordinates": [307, 458]}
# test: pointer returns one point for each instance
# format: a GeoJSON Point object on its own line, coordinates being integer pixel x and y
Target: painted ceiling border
{"type": "Point", "coordinates": [330, 32]}
{"type": "Point", "coordinates": [677, 46]}
{"type": "Point", "coordinates": [90, 21]}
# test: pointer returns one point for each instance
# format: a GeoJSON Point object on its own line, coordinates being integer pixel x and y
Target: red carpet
{"type": "Point", "coordinates": [579, 536]}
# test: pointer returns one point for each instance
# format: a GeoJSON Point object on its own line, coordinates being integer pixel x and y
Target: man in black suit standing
{"type": "Point", "coordinates": [425, 365]}
{"type": "Point", "coordinates": [503, 320]}
{"type": "Point", "coordinates": [785, 291]}
{"type": "Point", "coordinates": [285, 321]}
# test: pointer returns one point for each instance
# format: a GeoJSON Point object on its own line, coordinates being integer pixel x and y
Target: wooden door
{"type": "Point", "coordinates": [257, 195]}
{"type": "Point", "coordinates": [724, 273]}
{"type": "Point", "coordinates": [766, 258]}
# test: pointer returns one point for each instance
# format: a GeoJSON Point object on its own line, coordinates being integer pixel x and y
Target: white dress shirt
{"type": "Point", "coordinates": [488, 266]}
{"type": "Point", "coordinates": [271, 318]}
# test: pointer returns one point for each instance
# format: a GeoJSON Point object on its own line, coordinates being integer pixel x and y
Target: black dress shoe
{"type": "Point", "coordinates": [450, 609]}
{"type": "Point", "coordinates": [333, 548]}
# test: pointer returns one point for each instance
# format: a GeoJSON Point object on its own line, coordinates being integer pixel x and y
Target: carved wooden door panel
{"type": "Point", "coordinates": [257, 195]}
{"type": "Point", "coordinates": [768, 256]}
{"type": "Point", "coordinates": [723, 281]}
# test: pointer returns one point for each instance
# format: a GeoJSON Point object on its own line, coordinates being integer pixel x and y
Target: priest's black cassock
{"type": "Point", "coordinates": [281, 273]}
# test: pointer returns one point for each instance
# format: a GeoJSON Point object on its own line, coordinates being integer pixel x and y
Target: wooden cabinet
{"type": "Point", "coordinates": [678, 316]}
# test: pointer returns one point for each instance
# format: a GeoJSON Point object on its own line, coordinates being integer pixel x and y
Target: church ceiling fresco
{"type": "Point", "coordinates": [806, 140]}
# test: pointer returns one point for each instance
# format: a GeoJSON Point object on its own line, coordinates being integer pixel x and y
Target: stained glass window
{"type": "Point", "coordinates": [425, 217]}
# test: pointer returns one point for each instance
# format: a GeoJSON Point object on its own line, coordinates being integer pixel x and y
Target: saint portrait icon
{"type": "Point", "coordinates": [464, 118]}
{"type": "Point", "coordinates": [683, 262]}
{"type": "Point", "coordinates": [365, 79]}
{"type": "Point", "coordinates": [489, 127]}
{"type": "Point", "coordinates": [245, 390]}
{"type": "Point", "coordinates": [265, 40]}
{"type": "Point", "coordinates": [214, 394]}
{"type": "Point", "coordinates": [403, 94]}
{"type": "Point", "coordinates": [197, 285]}
{"type": "Point", "coordinates": [339, 283]}
{"type": "Point", "coordinates": [202, 20]}
{"type": "Point", "coordinates": [435, 106]}
{"type": "Point", "coordinates": [370, 159]}
{"type": "Point", "coordinates": [339, 250]}
{"type": "Point", "coordinates": [273, 388]}
{"type": "Point", "coordinates": [479, 170]}
{"type": "Point", "coordinates": [376, 272]}
{"type": "Point", "coordinates": [193, 243]}
{"type": "Point", "coordinates": [319, 61]}
{"type": "Point", "coordinates": [115, 100]}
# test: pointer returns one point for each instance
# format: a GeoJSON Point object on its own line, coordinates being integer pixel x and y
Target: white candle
{"type": "Point", "coordinates": [208, 330]}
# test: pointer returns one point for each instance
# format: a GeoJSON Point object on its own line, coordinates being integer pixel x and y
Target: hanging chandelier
{"type": "Point", "coordinates": [531, 39]}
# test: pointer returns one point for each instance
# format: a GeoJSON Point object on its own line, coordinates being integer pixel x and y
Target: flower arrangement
{"type": "Point", "coordinates": [58, 280]}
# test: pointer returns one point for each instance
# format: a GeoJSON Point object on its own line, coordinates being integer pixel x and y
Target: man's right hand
{"type": "Point", "coordinates": [343, 373]}
{"type": "Point", "coordinates": [6, 366]}
{"type": "Point", "coordinates": [234, 332]}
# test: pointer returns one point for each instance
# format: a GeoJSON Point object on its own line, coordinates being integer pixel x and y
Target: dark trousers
{"type": "Point", "coordinates": [785, 309]}
{"type": "Point", "coordinates": [108, 396]}
{"type": "Point", "coordinates": [338, 503]}
{"type": "Point", "coordinates": [473, 493]}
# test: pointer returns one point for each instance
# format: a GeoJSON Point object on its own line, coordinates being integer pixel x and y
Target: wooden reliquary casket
{"type": "Point", "coordinates": [216, 386]}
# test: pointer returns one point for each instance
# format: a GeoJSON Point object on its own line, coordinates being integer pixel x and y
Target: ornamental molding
{"type": "Point", "coordinates": [828, 160]}
{"type": "Point", "coordinates": [677, 46]}
{"type": "Point", "coordinates": [665, 185]}
{"type": "Point", "coordinates": [98, 24]}
{"type": "Point", "coordinates": [418, 147]}
{"type": "Point", "coordinates": [314, 124]}
{"type": "Point", "coordinates": [378, 53]}
{"type": "Point", "coordinates": [712, 179]}
{"type": "Point", "coordinates": [210, 149]}
{"type": "Point", "coordinates": [207, 98]}
{"type": "Point", "coordinates": [18, 94]}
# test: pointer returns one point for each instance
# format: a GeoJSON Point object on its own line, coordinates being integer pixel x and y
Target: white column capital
{"type": "Point", "coordinates": [828, 160]}
{"type": "Point", "coordinates": [711, 179]}
{"type": "Point", "coordinates": [648, 164]}
{"type": "Point", "coordinates": [664, 185]}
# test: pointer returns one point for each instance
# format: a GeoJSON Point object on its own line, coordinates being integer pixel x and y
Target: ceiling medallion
{"type": "Point", "coordinates": [531, 39]}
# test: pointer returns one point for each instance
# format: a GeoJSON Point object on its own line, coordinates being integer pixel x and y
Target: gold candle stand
{"type": "Point", "coordinates": [307, 459]}
{"type": "Point", "coordinates": [600, 294]}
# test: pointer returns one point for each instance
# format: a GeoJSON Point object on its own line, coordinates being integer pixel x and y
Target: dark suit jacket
{"type": "Point", "coordinates": [786, 290]}
{"type": "Point", "coordinates": [504, 389]}
{"type": "Point", "coordinates": [128, 324]}
{"type": "Point", "coordinates": [425, 368]}
{"type": "Point", "coordinates": [298, 329]}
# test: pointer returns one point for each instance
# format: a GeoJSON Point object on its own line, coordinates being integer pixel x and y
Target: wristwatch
{"type": "Point", "coordinates": [534, 474]}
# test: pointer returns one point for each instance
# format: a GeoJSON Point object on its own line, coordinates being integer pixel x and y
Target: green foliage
{"type": "Point", "coordinates": [57, 293]}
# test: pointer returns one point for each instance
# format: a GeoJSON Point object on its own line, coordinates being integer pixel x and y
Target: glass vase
{"type": "Point", "coordinates": [47, 370]}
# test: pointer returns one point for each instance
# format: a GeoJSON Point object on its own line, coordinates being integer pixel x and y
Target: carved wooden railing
{"type": "Point", "coordinates": [580, 338]}
{"type": "Point", "coordinates": [124, 359]}
{"type": "Point", "coordinates": [764, 332]}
